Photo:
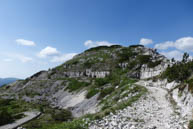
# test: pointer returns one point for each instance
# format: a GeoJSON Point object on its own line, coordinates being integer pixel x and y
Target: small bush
{"type": "Point", "coordinates": [190, 126]}
{"type": "Point", "coordinates": [144, 59]}
{"type": "Point", "coordinates": [62, 115]}
{"type": "Point", "coordinates": [88, 64]}
{"type": "Point", "coordinates": [5, 117]}
{"type": "Point", "coordinates": [91, 93]}
{"type": "Point", "coordinates": [153, 64]}
{"type": "Point", "coordinates": [75, 124]}
{"type": "Point", "coordinates": [126, 54]}
{"type": "Point", "coordinates": [101, 81]}
{"type": "Point", "coordinates": [105, 92]}
{"type": "Point", "coordinates": [75, 85]}
{"type": "Point", "coordinates": [97, 48]}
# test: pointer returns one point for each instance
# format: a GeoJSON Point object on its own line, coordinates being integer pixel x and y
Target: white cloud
{"type": "Point", "coordinates": [145, 42]}
{"type": "Point", "coordinates": [25, 42]}
{"type": "Point", "coordinates": [173, 54]}
{"type": "Point", "coordinates": [48, 51]}
{"type": "Point", "coordinates": [90, 43]}
{"type": "Point", "coordinates": [63, 58]}
{"type": "Point", "coordinates": [183, 44]}
{"type": "Point", "coordinates": [165, 45]}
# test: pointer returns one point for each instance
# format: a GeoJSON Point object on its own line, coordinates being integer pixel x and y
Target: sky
{"type": "Point", "coordinates": [40, 34]}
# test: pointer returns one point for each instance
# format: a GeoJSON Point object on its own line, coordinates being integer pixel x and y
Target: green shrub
{"type": "Point", "coordinates": [153, 64]}
{"type": "Point", "coordinates": [75, 124]}
{"type": "Point", "coordinates": [61, 115]}
{"type": "Point", "coordinates": [91, 93]}
{"type": "Point", "coordinates": [106, 92]}
{"type": "Point", "coordinates": [101, 81]}
{"type": "Point", "coordinates": [88, 64]}
{"type": "Point", "coordinates": [97, 48]}
{"type": "Point", "coordinates": [144, 59]}
{"type": "Point", "coordinates": [134, 46]}
{"type": "Point", "coordinates": [180, 71]}
{"type": "Point", "coordinates": [190, 125]}
{"type": "Point", "coordinates": [75, 84]}
{"type": "Point", "coordinates": [126, 54]}
{"type": "Point", "coordinates": [5, 117]}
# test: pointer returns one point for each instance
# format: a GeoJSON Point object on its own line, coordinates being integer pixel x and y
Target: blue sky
{"type": "Point", "coordinates": [40, 34]}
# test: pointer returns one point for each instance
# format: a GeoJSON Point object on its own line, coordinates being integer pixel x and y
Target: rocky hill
{"type": "Point", "coordinates": [79, 83]}
{"type": "Point", "coordinates": [122, 87]}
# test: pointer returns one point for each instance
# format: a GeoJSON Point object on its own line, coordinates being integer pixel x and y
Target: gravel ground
{"type": "Point", "coordinates": [153, 111]}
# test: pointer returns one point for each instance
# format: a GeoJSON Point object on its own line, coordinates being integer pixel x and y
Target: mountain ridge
{"type": "Point", "coordinates": [102, 81]}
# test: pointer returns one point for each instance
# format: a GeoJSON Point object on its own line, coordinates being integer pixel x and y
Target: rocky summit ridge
{"type": "Point", "coordinates": [112, 87]}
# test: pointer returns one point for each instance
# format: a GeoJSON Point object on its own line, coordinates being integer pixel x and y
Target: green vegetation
{"type": "Point", "coordinates": [91, 93]}
{"type": "Point", "coordinates": [115, 91]}
{"type": "Point", "coordinates": [190, 126]}
{"type": "Point", "coordinates": [135, 58]}
{"type": "Point", "coordinates": [5, 117]}
{"type": "Point", "coordinates": [126, 54]}
{"type": "Point", "coordinates": [75, 124]}
{"type": "Point", "coordinates": [144, 59]}
{"type": "Point", "coordinates": [106, 92]}
{"type": "Point", "coordinates": [111, 102]}
{"type": "Point", "coordinates": [49, 117]}
{"type": "Point", "coordinates": [75, 85]}
{"type": "Point", "coordinates": [11, 110]}
{"type": "Point", "coordinates": [153, 64]}
{"type": "Point", "coordinates": [61, 115]}
{"type": "Point", "coordinates": [134, 46]}
{"type": "Point", "coordinates": [103, 48]}
{"type": "Point", "coordinates": [101, 81]}
{"type": "Point", "coordinates": [179, 71]}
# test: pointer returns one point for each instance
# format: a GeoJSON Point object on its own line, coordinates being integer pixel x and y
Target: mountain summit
{"type": "Point", "coordinates": [110, 84]}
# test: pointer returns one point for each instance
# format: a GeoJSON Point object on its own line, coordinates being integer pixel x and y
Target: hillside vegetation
{"type": "Point", "coordinates": [90, 86]}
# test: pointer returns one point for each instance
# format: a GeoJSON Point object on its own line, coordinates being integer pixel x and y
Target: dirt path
{"type": "Point", "coordinates": [29, 116]}
{"type": "Point", "coordinates": [153, 111]}
{"type": "Point", "coordinates": [166, 117]}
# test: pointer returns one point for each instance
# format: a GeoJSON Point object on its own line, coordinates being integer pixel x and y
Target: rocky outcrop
{"type": "Point", "coordinates": [77, 103]}
{"type": "Point", "coordinates": [87, 73]}
{"type": "Point", "coordinates": [184, 99]}
{"type": "Point", "coordinates": [97, 74]}
{"type": "Point", "coordinates": [161, 83]}
{"type": "Point", "coordinates": [147, 72]}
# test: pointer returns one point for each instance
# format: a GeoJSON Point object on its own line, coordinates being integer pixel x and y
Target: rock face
{"type": "Point", "coordinates": [147, 72]}
{"type": "Point", "coordinates": [87, 73]}
{"type": "Point", "coordinates": [184, 99]}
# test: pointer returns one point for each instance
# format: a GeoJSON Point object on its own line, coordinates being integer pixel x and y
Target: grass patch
{"type": "Point", "coordinates": [106, 92]}
{"type": "Point", "coordinates": [190, 125]}
{"type": "Point", "coordinates": [11, 110]}
{"type": "Point", "coordinates": [75, 85]}
{"type": "Point", "coordinates": [75, 124]}
{"type": "Point", "coordinates": [91, 93]}
{"type": "Point", "coordinates": [48, 118]}
{"type": "Point", "coordinates": [101, 81]}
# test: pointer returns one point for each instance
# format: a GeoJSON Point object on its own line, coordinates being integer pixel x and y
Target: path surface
{"type": "Point", "coordinates": [29, 116]}
{"type": "Point", "coordinates": [153, 111]}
